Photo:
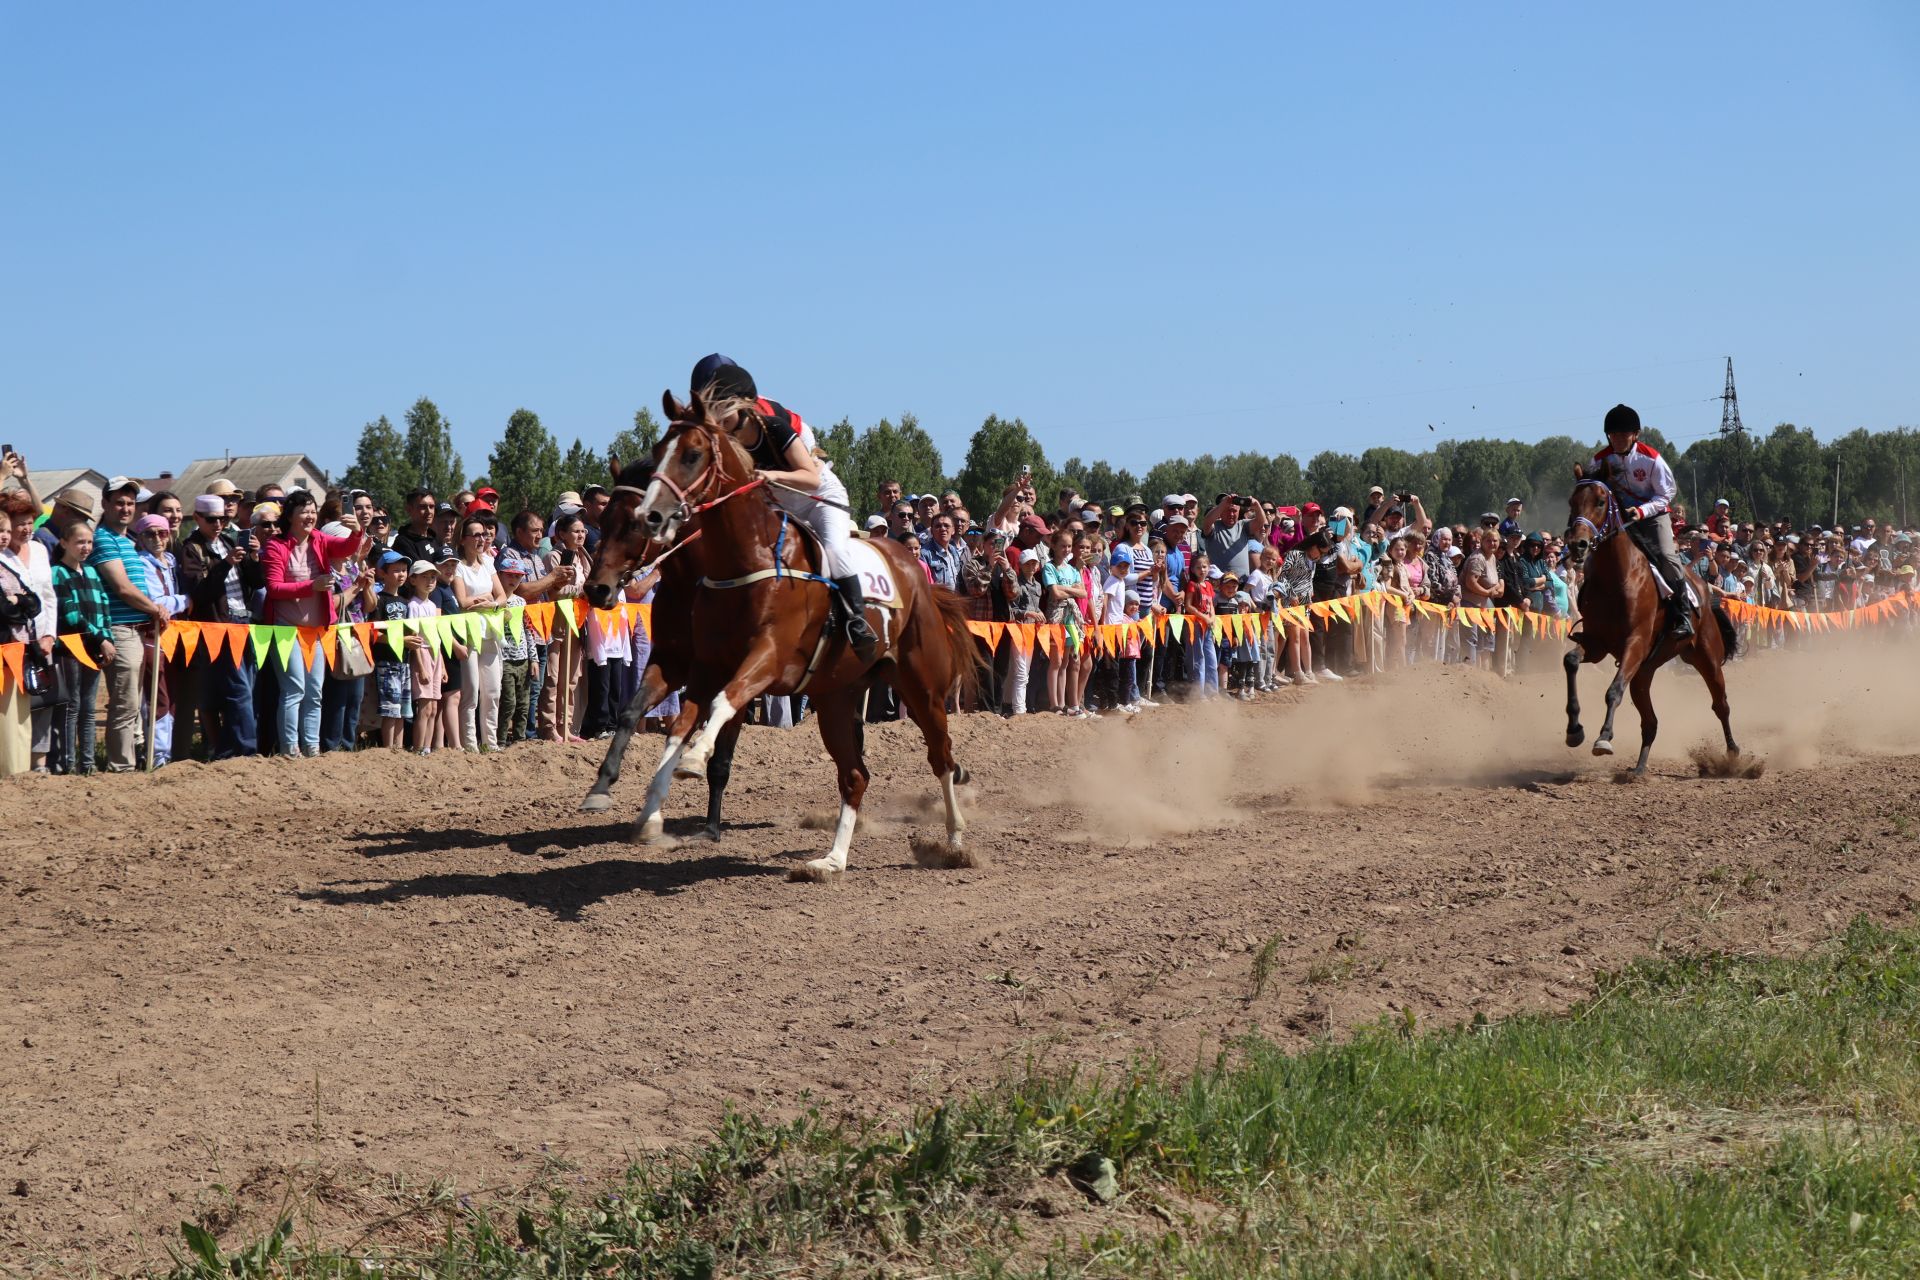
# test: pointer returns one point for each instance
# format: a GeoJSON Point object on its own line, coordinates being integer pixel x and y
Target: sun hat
{"type": "Point", "coordinates": [224, 488]}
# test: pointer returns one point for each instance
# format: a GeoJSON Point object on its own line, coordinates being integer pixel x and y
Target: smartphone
{"type": "Point", "coordinates": [1026, 468]}
{"type": "Point", "coordinates": [6, 450]}
{"type": "Point", "coordinates": [566, 555]}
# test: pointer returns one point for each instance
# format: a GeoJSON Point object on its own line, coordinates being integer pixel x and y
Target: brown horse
{"type": "Point", "coordinates": [762, 621]}
{"type": "Point", "coordinates": [669, 658]}
{"type": "Point", "coordinates": [1622, 617]}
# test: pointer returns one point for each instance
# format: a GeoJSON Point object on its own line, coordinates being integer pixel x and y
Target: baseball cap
{"type": "Point", "coordinates": [1116, 510]}
{"type": "Point", "coordinates": [1515, 502]}
{"type": "Point", "coordinates": [1187, 497]}
{"type": "Point", "coordinates": [486, 491]}
{"type": "Point", "coordinates": [1030, 556]}
{"type": "Point", "coordinates": [1089, 513]}
{"type": "Point", "coordinates": [1343, 513]}
{"type": "Point", "coordinates": [589, 491]}
{"type": "Point", "coordinates": [1722, 502]}
{"type": "Point", "coordinates": [479, 505]}
{"type": "Point", "coordinates": [876, 522]}
{"type": "Point", "coordinates": [1031, 521]}
{"type": "Point", "coordinates": [1171, 500]}
{"type": "Point", "coordinates": [1120, 556]}
{"type": "Point", "coordinates": [1311, 508]}
{"type": "Point", "coordinates": [334, 529]}
{"type": "Point", "coordinates": [119, 483]}
{"type": "Point", "coordinates": [445, 507]}
{"type": "Point", "coordinates": [1173, 518]}
{"type": "Point", "coordinates": [1214, 574]}
{"type": "Point", "coordinates": [390, 558]}
{"type": "Point", "coordinates": [356, 493]}
{"type": "Point", "coordinates": [423, 566]}
{"type": "Point", "coordinates": [569, 497]}
{"type": "Point", "coordinates": [1373, 489]}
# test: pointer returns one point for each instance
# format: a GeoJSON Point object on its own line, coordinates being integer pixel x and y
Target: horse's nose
{"type": "Point", "coordinates": [655, 519]}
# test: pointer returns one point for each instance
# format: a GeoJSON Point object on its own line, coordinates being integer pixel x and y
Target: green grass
{"type": "Point", "coordinates": [1700, 1116]}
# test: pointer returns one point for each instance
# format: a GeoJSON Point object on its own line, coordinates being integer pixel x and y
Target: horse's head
{"type": "Point", "coordinates": [624, 543]}
{"type": "Point", "coordinates": [696, 462]}
{"type": "Point", "coordinates": [1592, 514]}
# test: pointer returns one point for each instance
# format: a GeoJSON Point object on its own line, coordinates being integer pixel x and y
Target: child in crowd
{"type": "Point", "coordinates": [429, 670]}
{"type": "Point", "coordinates": [1242, 654]}
{"type": "Point", "coordinates": [1203, 659]}
{"type": "Point", "coordinates": [1061, 577]}
{"type": "Point", "coordinates": [392, 678]}
{"type": "Point", "coordinates": [1024, 598]}
{"type": "Point", "coordinates": [1119, 605]}
{"type": "Point", "coordinates": [82, 600]}
{"type": "Point", "coordinates": [452, 668]}
{"type": "Point", "coordinates": [1260, 588]}
{"type": "Point", "coordinates": [1396, 582]}
{"type": "Point", "coordinates": [516, 657]}
{"type": "Point", "coordinates": [1295, 589]}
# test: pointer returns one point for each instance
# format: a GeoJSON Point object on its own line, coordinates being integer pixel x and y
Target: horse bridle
{"type": "Point", "coordinates": [687, 508]}
{"type": "Point", "coordinates": [1610, 524]}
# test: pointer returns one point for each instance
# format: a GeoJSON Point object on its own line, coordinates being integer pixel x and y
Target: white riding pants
{"type": "Point", "coordinates": [830, 523]}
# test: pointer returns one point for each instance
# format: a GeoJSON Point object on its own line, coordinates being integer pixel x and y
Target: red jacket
{"type": "Point", "coordinates": [327, 552]}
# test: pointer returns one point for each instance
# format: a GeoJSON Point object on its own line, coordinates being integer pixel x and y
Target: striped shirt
{"type": "Point", "coordinates": [110, 547]}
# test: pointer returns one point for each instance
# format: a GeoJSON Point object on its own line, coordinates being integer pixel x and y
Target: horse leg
{"type": "Point", "coordinates": [1716, 678]}
{"type": "Point", "coordinates": [651, 824]}
{"type": "Point", "coordinates": [1630, 660]}
{"type": "Point", "coordinates": [1642, 690]}
{"type": "Point", "coordinates": [928, 706]}
{"type": "Point", "coordinates": [754, 675]}
{"type": "Point", "coordinates": [1575, 734]}
{"type": "Point", "coordinates": [719, 770]}
{"type": "Point", "coordinates": [845, 739]}
{"type": "Point", "coordinates": [646, 695]}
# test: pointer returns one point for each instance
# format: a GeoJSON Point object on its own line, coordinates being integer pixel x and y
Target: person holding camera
{"type": "Point", "coordinates": [219, 573]}
{"type": "Point", "coordinates": [1233, 533]}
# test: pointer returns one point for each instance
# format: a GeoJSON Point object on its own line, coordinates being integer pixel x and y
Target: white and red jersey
{"type": "Point", "coordinates": [1639, 478]}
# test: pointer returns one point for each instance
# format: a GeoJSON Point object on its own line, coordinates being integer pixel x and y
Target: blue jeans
{"type": "Point", "coordinates": [340, 712]}
{"type": "Point", "coordinates": [1203, 662]}
{"type": "Point", "coordinates": [301, 686]}
{"type": "Point", "coordinates": [72, 749]}
{"type": "Point", "coordinates": [536, 681]}
{"type": "Point", "coordinates": [229, 707]}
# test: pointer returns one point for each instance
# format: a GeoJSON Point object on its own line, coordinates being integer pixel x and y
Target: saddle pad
{"type": "Point", "coordinates": [878, 576]}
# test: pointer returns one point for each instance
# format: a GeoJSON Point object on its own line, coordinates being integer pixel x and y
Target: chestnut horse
{"type": "Point", "coordinates": [670, 633]}
{"type": "Point", "coordinates": [1622, 617]}
{"type": "Point", "coordinates": [763, 622]}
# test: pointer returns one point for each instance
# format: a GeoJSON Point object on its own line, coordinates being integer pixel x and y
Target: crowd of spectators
{"type": "Point", "coordinates": [105, 581]}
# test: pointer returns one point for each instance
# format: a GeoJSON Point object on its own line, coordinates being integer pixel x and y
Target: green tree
{"type": "Point", "coordinates": [380, 465]}
{"type": "Point", "coordinates": [637, 441]}
{"type": "Point", "coordinates": [1480, 476]}
{"type": "Point", "coordinates": [995, 455]}
{"type": "Point", "coordinates": [431, 461]}
{"type": "Point", "coordinates": [1334, 480]}
{"type": "Point", "coordinates": [526, 465]}
{"type": "Point", "coordinates": [887, 452]}
{"type": "Point", "coordinates": [582, 467]}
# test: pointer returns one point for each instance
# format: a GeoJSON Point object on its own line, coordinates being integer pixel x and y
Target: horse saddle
{"type": "Point", "coordinates": [879, 582]}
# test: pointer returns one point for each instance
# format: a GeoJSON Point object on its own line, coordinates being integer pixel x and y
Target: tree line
{"type": "Point", "coordinates": [1785, 474]}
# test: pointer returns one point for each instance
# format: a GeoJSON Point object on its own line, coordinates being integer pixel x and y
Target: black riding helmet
{"type": "Point", "coordinates": [1621, 421]}
{"type": "Point", "coordinates": [717, 375]}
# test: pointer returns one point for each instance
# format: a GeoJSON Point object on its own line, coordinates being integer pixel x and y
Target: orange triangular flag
{"type": "Point", "coordinates": [189, 636]}
{"type": "Point", "coordinates": [11, 658]}
{"type": "Point", "coordinates": [330, 647]}
{"type": "Point", "coordinates": [1021, 633]}
{"type": "Point", "coordinates": [169, 641]}
{"type": "Point", "coordinates": [211, 634]}
{"type": "Point", "coordinates": [996, 631]}
{"type": "Point", "coordinates": [1043, 636]}
{"type": "Point", "coordinates": [78, 649]}
{"type": "Point", "coordinates": [363, 632]}
{"type": "Point", "coordinates": [308, 637]}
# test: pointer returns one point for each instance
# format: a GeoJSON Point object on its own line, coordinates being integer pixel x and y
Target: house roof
{"type": "Point", "coordinates": [47, 483]}
{"type": "Point", "coordinates": [247, 473]}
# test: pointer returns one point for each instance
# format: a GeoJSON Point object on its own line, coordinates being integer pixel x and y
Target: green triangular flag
{"type": "Point", "coordinates": [495, 622]}
{"type": "Point", "coordinates": [283, 641]}
{"type": "Point", "coordinates": [516, 622]}
{"type": "Point", "coordinates": [1176, 624]}
{"type": "Point", "coordinates": [396, 634]}
{"type": "Point", "coordinates": [261, 639]}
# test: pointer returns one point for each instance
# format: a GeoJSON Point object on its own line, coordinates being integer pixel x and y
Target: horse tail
{"type": "Point", "coordinates": [1729, 635]}
{"type": "Point", "coordinates": [953, 616]}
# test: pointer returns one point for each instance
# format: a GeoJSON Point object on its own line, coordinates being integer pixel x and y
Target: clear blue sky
{"type": "Point", "coordinates": [1147, 229]}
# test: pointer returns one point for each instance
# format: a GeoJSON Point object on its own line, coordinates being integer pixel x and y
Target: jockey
{"type": "Point", "coordinates": [1643, 484]}
{"type": "Point", "coordinates": [785, 452]}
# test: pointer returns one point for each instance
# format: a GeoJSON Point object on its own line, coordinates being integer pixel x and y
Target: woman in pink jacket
{"type": "Point", "coordinates": [297, 564]}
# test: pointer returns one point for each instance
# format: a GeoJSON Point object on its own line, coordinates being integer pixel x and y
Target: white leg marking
{"type": "Point", "coordinates": [694, 763]}
{"type": "Point", "coordinates": [955, 824]}
{"type": "Point", "coordinates": [836, 859]}
{"type": "Point", "coordinates": [651, 823]}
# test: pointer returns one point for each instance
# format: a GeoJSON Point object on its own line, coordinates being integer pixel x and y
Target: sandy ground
{"type": "Point", "coordinates": [381, 971]}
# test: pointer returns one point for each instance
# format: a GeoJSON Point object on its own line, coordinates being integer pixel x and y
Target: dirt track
{"type": "Point", "coordinates": [440, 969]}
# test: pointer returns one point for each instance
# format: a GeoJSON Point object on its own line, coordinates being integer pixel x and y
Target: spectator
{"type": "Point", "coordinates": [297, 566]}
{"type": "Point", "coordinates": [20, 610]}
{"type": "Point", "coordinates": [1235, 530]}
{"type": "Point", "coordinates": [946, 560]}
{"type": "Point", "coordinates": [392, 673]}
{"type": "Point", "coordinates": [85, 611]}
{"type": "Point", "coordinates": [427, 666]}
{"type": "Point", "coordinates": [516, 656]}
{"type": "Point", "coordinates": [1442, 578]}
{"type": "Point", "coordinates": [538, 580]}
{"type": "Point", "coordinates": [593, 502]}
{"type": "Point", "coordinates": [220, 572]}
{"type": "Point", "coordinates": [564, 659]}
{"type": "Point", "coordinates": [417, 541]}
{"type": "Point", "coordinates": [477, 586]}
{"type": "Point", "coordinates": [35, 568]}
{"type": "Point", "coordinates": [888, 495]}
{"type": "Point", "coordinates": [117, 561]}
{"type": "Point", "coordinates": [154, 536]}
{"type": "Point", "coordinates": [355, 587]}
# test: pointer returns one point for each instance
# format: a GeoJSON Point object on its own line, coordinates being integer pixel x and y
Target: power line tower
{"type": "Point", "coordinates": [1730, 406]}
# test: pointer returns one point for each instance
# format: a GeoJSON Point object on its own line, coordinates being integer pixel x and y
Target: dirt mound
{"type": "Point", "coordinates": [371, 968]}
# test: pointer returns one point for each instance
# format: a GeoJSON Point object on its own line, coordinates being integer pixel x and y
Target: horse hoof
{"type": "Point", "coordinates": [1603, 748]}
{"type": "Point", "coordinates": [689, 770]}
{"type": "Point", "coordinates": [596, 803]}
{"type": "Point", "coordinates": [712, 834]}
{"type": "Point", "coordinates": [818, 871]}
{"type": "Point", "coordinates": [650, 831]}
{"type": "Point", "coordinates": [1575, 737]}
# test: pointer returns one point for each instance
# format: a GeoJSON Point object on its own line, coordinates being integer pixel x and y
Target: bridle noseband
{"type": "Point", "coordinates": [687, 507]}
{"type": "Point", "coordinates": [1611, 523]}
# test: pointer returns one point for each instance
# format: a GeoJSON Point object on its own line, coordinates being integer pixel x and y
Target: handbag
{"type": "Point", "coordinates": [351, 661]}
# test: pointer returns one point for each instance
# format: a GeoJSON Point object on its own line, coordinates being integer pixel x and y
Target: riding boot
{"type": "Point", "coordinates": [854, 606]}
{"type": "Point", "coordinates": [1679, 622]}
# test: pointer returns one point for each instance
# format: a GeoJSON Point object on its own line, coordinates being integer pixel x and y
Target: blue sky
{"type": "Point", "coordinates": [1149, 230]}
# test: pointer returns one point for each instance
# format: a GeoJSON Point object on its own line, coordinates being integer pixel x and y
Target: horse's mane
{"type": "Point", "coordinates": [637, 474]}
